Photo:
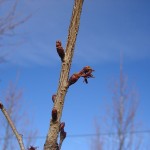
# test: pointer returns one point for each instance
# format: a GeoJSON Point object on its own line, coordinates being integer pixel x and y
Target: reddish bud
{"type": "Point", "coordinates": [1, 105]}
{"type": "Point", "coordinates": [61, 127]}
{"type": "Point", "coordinates": [87, 72]}
{"type": "Point", "coordinates": [60, 50]}
{"type": "Point", "coordinates": [74, 78]}
{"type": "Point", "coordinates": [53, 97]}
{"type": "Point", "coordinates": [63, 135]}
{"type": "Point", "coordinates": [58, 43]}
{"type": "Point", "coordinates": [87, 69]}
{"type": "Point", "coordinates": [54, 114]}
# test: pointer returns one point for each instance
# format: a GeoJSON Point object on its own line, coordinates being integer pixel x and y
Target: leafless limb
{"type": "Point", "coordinates": [64, 83]}
{"type": "Point", "coordinates": [18, 136]}
{"type": "Point", "coordinates": [125, 107]}
{"type": "Point", "coordinates": [9, 20]}
{"type": "Point", "coordinates": [121, 116]}
{"type": "Point", "coordinates": [13, 102]}
{"type": "Point", "coordinates": [97, 142]}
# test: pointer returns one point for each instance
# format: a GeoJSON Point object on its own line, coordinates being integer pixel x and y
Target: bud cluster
{"type": "Point", "coordinates": [86, 73]}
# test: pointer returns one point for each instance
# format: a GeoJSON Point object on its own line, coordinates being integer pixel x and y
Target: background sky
{"type": "Point", "coordinates": [106, 28]}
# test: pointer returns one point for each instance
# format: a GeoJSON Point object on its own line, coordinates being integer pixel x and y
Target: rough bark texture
{"type": "Point", "coordinates": [51, 140]}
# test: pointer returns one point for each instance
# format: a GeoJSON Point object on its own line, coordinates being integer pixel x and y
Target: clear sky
{"type": "Point", "coordinates": [107, 27]}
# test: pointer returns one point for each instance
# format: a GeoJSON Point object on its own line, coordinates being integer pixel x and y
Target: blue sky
{"type": "Point", "coordinates": [107, 27]}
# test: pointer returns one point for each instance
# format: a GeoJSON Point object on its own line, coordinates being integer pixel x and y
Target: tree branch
{"type": "Point", "coordinates": [51, 140]}
{"type": "Point", "coordinates": [18, 136]}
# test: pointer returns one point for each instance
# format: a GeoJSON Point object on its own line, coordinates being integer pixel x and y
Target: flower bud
{"type": "Point", "coordinates": [60, 50]}
{"type": "Point", "coordinates": [53, 97]}
{"type": "Point", "coordinates": [87, 72]}
{"type": "Point", "coordinates": [54, 114]}
{"type": "Point", "coordinates": [63, 135]}
{"type": "Point", "coordinates": [74, 78]}
{"type": "Point", "coordinates": [58, 43]}
{"type": "Point", "coordinates": [61, 127]}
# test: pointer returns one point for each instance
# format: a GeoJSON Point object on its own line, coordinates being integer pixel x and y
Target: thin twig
{"type": "Point", "coordinates": [18, 136]}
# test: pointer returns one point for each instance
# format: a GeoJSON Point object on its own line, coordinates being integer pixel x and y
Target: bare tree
{"type": "Point", "coordinates": [9, 20]}
{"type": "Point", "coordinates": [121, 119]}
{"type": "Point", "coordinates": [12, 99]}
{"type": "Point", "coordinates": [13, 102]}
{"type": "Point", "coordinates": [56, 126]}
{"type": "Point", "coordinates": [125, 108]}
{"type": "Point", "coordinates": [97, 141]}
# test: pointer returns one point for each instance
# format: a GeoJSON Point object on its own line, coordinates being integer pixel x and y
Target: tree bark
{"type": "Point", "coordinates": [52, 136]}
